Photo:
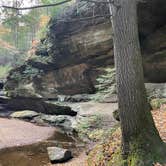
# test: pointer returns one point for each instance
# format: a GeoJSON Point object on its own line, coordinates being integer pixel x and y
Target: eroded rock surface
{"type": "Point", "coordinates": [74, 52]}
{"type": "Point", "coordinates": [13, 133]}
{"type": "Point", "coordinates": [38, 105]}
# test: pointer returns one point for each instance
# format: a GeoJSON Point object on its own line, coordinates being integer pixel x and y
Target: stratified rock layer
{"type": "Point", "coordinates": [75, 50]}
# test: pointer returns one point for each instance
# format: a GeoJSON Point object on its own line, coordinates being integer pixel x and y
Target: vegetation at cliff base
{"type": "Point", "coordinates": [82, 83]}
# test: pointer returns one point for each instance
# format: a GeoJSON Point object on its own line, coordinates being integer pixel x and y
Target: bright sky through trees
{"type": "Point", "coordinates": [21, 3]}
{"type": "Point", "coordinates": [24, 3]}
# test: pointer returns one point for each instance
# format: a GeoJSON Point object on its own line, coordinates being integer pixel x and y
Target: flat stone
{"type": "Point", "coordinates": [58, 155]}
{"type": "Point", "coordinates": [19, 133]}
{"type": "Point", "coordinates": [54, 119]}
{"type": "Point", "coordinates": [26, 114]}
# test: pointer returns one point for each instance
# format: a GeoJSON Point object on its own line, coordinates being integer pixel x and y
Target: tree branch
{"type": "Point", "coordinates": [38, 6]}
{"type": "Point", "coordinates": [98, 2]}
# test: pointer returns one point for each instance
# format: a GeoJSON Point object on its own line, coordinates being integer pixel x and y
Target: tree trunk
{"type": "Point", "coordinates": [138, 129]}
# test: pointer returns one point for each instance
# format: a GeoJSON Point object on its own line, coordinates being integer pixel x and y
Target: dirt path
{"type": "Point", "coordinates": [17, 133]}
{"type": "Point", "coordinates": [86, 109]}
{"type": "Point", "coordinates": [104, 110]}
{"type": "Point", "coordinates": [79, 161]}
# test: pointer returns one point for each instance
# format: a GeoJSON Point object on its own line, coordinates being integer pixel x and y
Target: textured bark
{"type": "Point", "coordinates": [136, 120]}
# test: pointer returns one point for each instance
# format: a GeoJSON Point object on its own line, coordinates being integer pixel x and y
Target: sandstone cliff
{"type": "Point", "coordinates": [75, 50]}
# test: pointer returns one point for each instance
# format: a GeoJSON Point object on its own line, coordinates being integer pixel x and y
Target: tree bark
{"type": "Point", "coordinates": [136, 120]}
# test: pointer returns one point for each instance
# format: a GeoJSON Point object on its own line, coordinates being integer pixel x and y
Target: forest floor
{"type": "Point", "coordinates": [159, 117]}
{"type": "Point", "coordinates": [18, 133]}
{"type": "Point", "coordinates": [90, 109]}
{"type": "Point", "coordinates": [108, 148]}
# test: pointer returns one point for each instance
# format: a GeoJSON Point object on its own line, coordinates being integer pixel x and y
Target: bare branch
{"type": "Point", "coordinates": [39, 6]}
{"type": "Point", "coordinates": [98, 2]}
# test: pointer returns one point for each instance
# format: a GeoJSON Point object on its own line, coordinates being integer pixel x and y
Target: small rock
{"type": "Point", "coordinates": [116, 115]}
{"type": "Point", "coordinates": [58, 155]}
{"type": "Point", "coordinates": [26, 114]}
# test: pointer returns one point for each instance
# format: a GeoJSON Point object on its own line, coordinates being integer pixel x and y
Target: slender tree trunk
{"type": "Point", "coordinates": [137, 124]}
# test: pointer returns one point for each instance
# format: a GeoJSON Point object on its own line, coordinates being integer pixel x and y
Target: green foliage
{"type": "Point", "coordinates": [42, 32]}
{"type": "Point", "coordinates": [52, 11]}
{"type": "Point", "coordinates": [106, 84]}
{"type": "Point", "coordinates": [4, 69]}
{"type": "Point", "coordinates": [18, 31]}
{"type": "Point", "coordinates": [42, 59]}
{"type": "Point", "coordinates": [29, 73]}
{"type": "Point", "coordinates": [87, 125]}
{"type": "Point", "coordinates": [91, 128]}
{"type": "Point", "coordinates": [157, 103]}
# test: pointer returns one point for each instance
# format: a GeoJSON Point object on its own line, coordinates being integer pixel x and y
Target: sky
{"type": "Point", "coordinates": [24, 3]}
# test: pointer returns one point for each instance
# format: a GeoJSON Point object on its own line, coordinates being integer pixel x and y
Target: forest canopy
{"type": "Point", "coordinates": [20, 30]}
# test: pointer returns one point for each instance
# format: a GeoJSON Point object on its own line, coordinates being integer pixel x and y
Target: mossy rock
{"type": "Point", "coordinates": [157, 103]}
{"type": "Point", "coordinates": [25, 114]}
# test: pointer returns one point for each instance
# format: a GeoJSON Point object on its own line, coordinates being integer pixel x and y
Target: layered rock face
{"type": "Point", "coordinates": [77, 47]}
{"type": "Point", "coordinates": [155, 56]}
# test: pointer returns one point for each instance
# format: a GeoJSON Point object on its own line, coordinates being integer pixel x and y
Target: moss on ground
{"type": "Point", "coordinates": [104, 153]}
{"type": "Point", "coordinates": [109, 154]}
{"type": "Point", "coordinates": [157, 103]}
{"type": "Point", "coordinates": [92, 128]}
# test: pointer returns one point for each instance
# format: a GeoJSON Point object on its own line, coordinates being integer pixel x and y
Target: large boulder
{"type": "Point", "coordinates": [37, 105]}
{"type": "Point", "coordinates": [48, 84]}
{"type": "Point", "coordinates": [77, 49]}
